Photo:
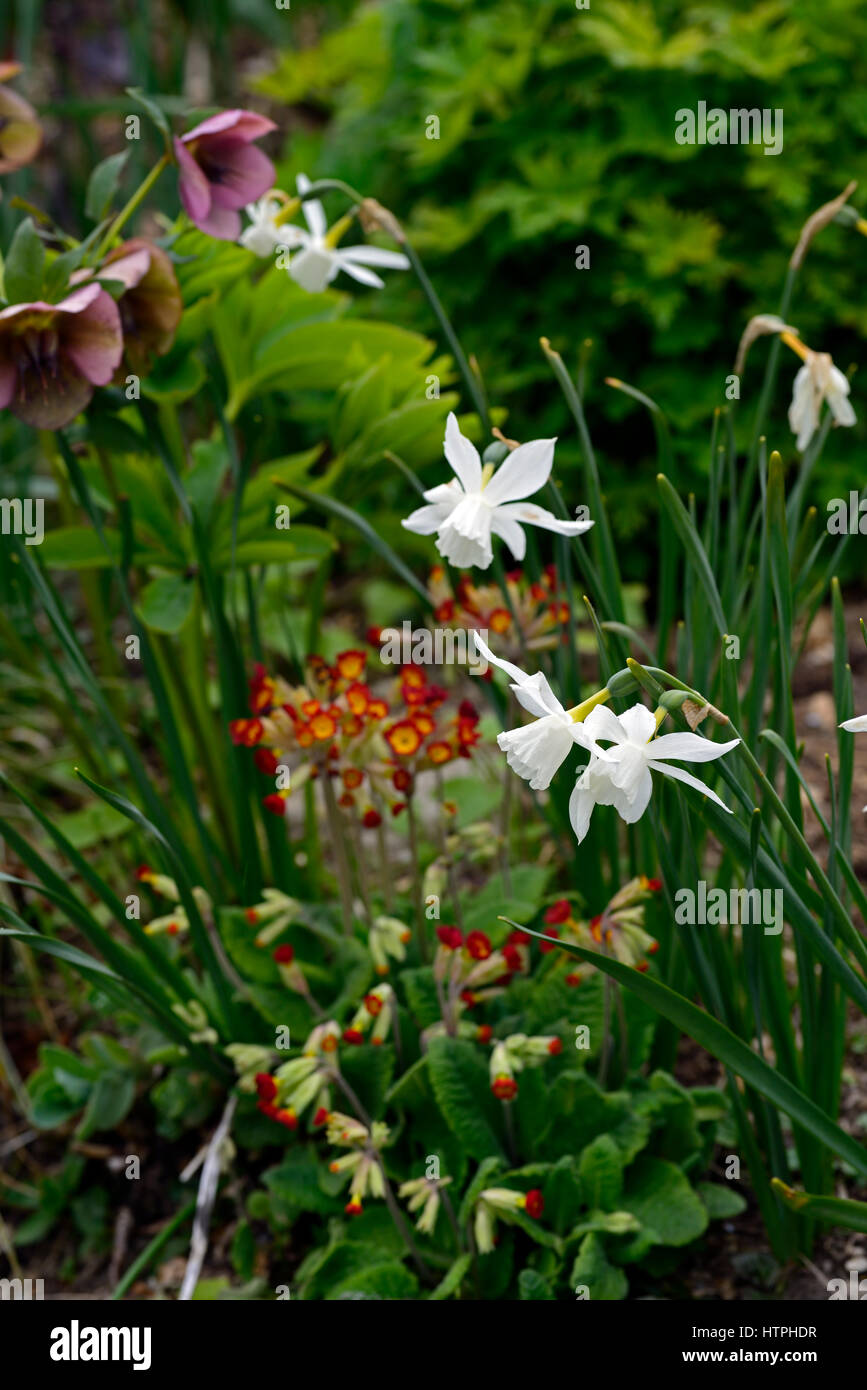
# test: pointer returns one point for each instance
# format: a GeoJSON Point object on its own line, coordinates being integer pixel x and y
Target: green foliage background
{"type": "Point", "coordinates": [557, 129]}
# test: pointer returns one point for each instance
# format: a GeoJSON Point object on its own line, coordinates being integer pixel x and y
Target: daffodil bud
{"type": "Point", "coordinates": [496, 452]}
{"type": "Point", "coordinates": [621, 683]}
{"type": "Point", "coordinates": [673, 700]}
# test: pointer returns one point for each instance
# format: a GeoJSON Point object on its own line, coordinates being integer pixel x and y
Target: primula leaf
{"type": "Point", "coordinates": [25, 263]}
{"type": "Point", "coordinates": [593, 1272]}
{"type": "Point", "coordinates": [462, 1089]}
{"type": "Point", "coordinates": [660, 1197]}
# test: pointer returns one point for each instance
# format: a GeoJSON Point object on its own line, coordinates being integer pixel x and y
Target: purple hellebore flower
{"type": "Point", "coordinates": [52, 355]}
{"type": "Point", "coordinates": [220, 171]}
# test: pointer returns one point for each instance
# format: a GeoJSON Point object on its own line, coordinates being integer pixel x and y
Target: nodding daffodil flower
{"type": "Point", "coordinates": [268, 228]}
{"type": "Point", "coordinates": [319, 260]}
{"type": "Point", "coordinates": [619, 776]}
{"type": "Point", "coordinates": [816, 381]}
{"type": "Point", "coordinates": [480, 502]}
{"type": "Point", "coordinates": [857, 725]}
{"type": "Point", "coordinates": [536, 750]}
{"type": "Point", "coordinates": [504, 1203]}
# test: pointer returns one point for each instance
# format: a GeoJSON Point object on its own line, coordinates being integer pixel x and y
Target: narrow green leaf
{"type": "Point", "coordinates": [722, 1043]}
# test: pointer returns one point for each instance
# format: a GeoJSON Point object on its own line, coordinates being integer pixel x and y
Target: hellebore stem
{"type": "Point", "coordinates": [126, 212]}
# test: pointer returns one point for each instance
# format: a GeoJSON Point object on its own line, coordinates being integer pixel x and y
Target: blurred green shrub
{"type": "Point", "coordinates": [556, 129]}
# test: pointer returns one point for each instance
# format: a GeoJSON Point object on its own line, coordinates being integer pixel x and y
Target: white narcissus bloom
{"type": "Point", "coordinates": [479, 502]}
{"type": "Point", "coordinates": [536, 750]}
{"type": "Point", "coordinates": [264, 234]}
{"type": "Point", "coordinates": [619, 776]}
{"type": "Point", "coordinates": [857, 725]}
{"type": "Point", "coordinates": [318, 261]}
{"type": "Point", "coordinates": [816, 381]}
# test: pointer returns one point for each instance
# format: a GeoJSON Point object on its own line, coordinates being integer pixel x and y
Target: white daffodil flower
{"type": "Point", "coordinates": [536, 750]}
{"type": "Point", "coordinates": [264, 233]}
{"type": "Point", "coordinates": [619, 776]}
{"type": "Point", "coordinates": [816, 381]}
{"type": "Point", "coordinates": [479, 502]}
{"type": "Point", "coordinates": [318, 260]}
{"type": "Point", "coordinates": [857, 725]}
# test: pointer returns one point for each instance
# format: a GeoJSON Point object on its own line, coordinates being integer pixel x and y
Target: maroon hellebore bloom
{"type": "Point", "coordinates": [151, 304]}
{"type": "Point", "coordinates": [220, 171]}
{"type": "Point", "coordinates": [52, 355]}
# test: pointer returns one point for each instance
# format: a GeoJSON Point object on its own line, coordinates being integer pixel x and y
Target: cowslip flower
{"type": "Point", "coordinates": [424, 1193]}
{"type": "Point", "coordinates": [20, 132]}
{"type": "Point", "coordinates": [387, 937]}
{"type": "Point", "coordinates": [363, 1160]}
{"type": "Point", "coordinates": [175, 921]}
{"type": "Point", "coordinates": [502, 1203]}
{"type": "Point", "coordinates": [619, 775]}
{"type": "Point", "coordinates": [220, 171]}
{"type": "Point", "coordinates": [480, 502]}
{"type": "Point", "coordinates": [318, 260]}
{"type": "Point", "coordinates": [272, 916]}
{"type": "Point", "coordinates": [515, 1053]}
{"type": "Point", "coordinates": [250, 1061]}
{"type": "Point", "coordinates": [302, 1080]}
{"type": "Point", "coordinates": [376, 1008]}
{"type": "Point", "coordinates": [817, 381]}
{"type": "Point", "coordinates": [52, 355]}
{"type": "Point", "coordinates": [537, 750]}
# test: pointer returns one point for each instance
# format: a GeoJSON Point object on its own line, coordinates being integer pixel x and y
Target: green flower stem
{"type": "Point", "coordinates": [151, 1251]}
{"type": "Point", "coordinates": [341, 863]}
{"type": "Point", "coordinates": [126, 212]}
{"type": "Point", "coordinates": [470, 380]}
{"type": "Point", "coordinates": [421, 935]}
{"type": "Point", "coordinates": [606, 554]}
{"type": "Point", "coordinates": [847, 929]}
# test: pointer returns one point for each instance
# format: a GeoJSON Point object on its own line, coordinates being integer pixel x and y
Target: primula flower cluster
{"type": "Point", "coordinates": [298, 1083]}
{"type": "Point", "coordinates": [515, 1053]}
{"type": "Point", "coordinates": [618, 931]}
{"type": "Point", "coordinates": [340, 729]}
{"type": "Point", "coordinates": [468, 971]}
{"type": "Point", "coordinates": [372, 1019]}
{"type": "Point", "coordinates": [424, 1194]}
{"type": "Point", "coordinates": [387, 938]}
{"type": "Point", "coordinates": [502, 1203]}
{"type": "Point", "coordinates": [176, 921]}
{"type": "Point", "coordinates": [362, 1161]}
{"type": "Point", "coordinates": [539, 607]}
